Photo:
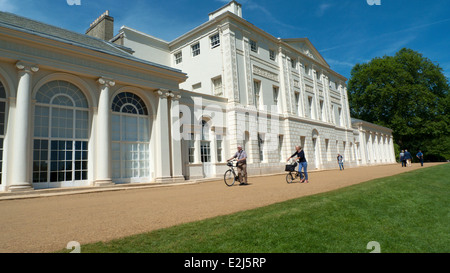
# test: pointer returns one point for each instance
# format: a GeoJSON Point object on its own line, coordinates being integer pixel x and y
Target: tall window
{"type": "Point", "coordinates": [130, 138]}
{"type": "Point", "coordinates": [191, 151]}
{"type": "Point", "coordinates": [280, 148]}
{"type": "Point", "coordinates": [310, 106]}
{"type": "Point", "coordinates": [61, 120]}
{"type": "Point", "coordinates": [322, 112]}
{"type": "Point", "coordinates": [297, 103]}
{"type": "Point", "coordinates": [261, 148]}
{"type": "Point", "coordinates": [257, 92]}
{"type": "Point", "coordinates": [276, 97]}
{"type": "Point", "coordinates": [205, 144]}
{"type": "Point", "coordinates": [215, 40]}
{"type": "Point", "coordinates": [195, 49]}
{"type": "Point", "coordinates": [2, 125]}
{"type": "Point", "coordinates": [219, 142]}
{"type": "Point", "coordinates": [217, 86]}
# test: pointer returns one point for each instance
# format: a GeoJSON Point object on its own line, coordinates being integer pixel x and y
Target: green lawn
{"type": "Point", "coordinates": [403, 213]}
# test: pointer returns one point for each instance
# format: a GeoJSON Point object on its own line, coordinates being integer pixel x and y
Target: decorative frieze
{"type": "Point", "coordinates": [265, 73]}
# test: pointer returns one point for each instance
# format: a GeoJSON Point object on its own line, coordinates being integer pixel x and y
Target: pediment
{"type": "Point", "coordinates": [306, 47]}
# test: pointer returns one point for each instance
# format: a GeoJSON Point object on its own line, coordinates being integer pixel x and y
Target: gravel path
{"type": "Point", "coordinates": [47, 224]}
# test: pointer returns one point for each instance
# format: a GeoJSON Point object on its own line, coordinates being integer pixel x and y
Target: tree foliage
{"type": "Point", "coordinates": [408, 93]}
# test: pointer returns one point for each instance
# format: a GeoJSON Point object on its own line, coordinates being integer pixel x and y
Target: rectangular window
{"type": "Point", "coordinates": [217, 86]}
{"type": "Point", "coordinates": [257, 92]}
{"type": "Point", "coordinates": [280, 148]}
{"type": "Point", "coordinates": [191, 148]}
{"type": "Point", "coordinates": [310, 105]}
{"type": "Point", "coordinates": [297, 102]}
{"type": "Point", "coordinates": [275, 97]}
{"type": "Point", "coordinates": [205, 150]}
{"type": "Point", "coordinates": [293, 63]}
{"type": "Point", "coordinates": [195, 49]}
{"type": "Point", "coordinates": [253, 46]}
{"type": "Point", "coordinates": [327, 149]}
{"type": "Point", "coordinates": [215, 40]}
{"type": "Point", "coordinates": [178, 57]}
{"type": "Point", "coordinates": [261, 148]}
{"type": "Point", "coordinates": [322, 112]}
{"type": "Point", "coordinates": [272, 54]}
{"type": "Point", "coordinates": [219, 149]}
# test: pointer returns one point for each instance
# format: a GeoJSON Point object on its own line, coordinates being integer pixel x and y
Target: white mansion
{"type": "Point", "coordinates": [97, 109]}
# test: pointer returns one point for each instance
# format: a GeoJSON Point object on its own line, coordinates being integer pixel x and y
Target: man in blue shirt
{"type": "Point", "coordinates": [420, 157]}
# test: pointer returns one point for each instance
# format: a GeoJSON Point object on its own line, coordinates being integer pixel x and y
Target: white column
{"type": "Point", "coordinates": [21, 143]}
{"type": "Point", "coordinates": [391, 149]}
{"type": "Point", "coordinates": [177, 160]}
{"type": "Point", "coordinates": [104, 153]}
{"type": "Point", "coordinates": [163, 166]}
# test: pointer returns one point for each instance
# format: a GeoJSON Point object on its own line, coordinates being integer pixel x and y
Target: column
{"type": "Point", "coordinates": [391, 149]}
{"type": "Point", "coordinates": [104, 153]}
{"type": "Point", "coordinates": [177, 160]}
{"type": "Point", "coordinates": [20, 179]}
{"type": "Point", "coordinates": [163, 164]}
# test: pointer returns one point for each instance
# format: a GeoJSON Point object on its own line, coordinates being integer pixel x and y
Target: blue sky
{"type": "Point", "coordinates": [345, 32]}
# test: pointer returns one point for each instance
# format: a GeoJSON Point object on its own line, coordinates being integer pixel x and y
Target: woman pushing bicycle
{"type": "Point", "coordinates": [302, 162]}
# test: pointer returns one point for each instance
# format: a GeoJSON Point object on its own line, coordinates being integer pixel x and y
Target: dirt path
{"type": "Point", "coordinates": [48, 223]}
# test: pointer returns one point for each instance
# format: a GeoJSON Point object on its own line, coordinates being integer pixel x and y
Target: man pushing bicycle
{"type": "Point", "coordinates": [241, 156]}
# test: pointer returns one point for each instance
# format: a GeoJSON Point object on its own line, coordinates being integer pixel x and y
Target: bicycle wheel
{"type": "Point", "coordinates": [290, 177]}
{"type": "Point", "coordinates": [229, 177]}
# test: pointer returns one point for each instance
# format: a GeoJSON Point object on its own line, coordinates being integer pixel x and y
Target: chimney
{"type": "Point", "coordinates": [102, 27]}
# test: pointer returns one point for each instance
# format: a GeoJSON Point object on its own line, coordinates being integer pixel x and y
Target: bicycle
{"type": "Point", "coordinates": [230, 176]}
{"type": "Point", "coordinates": [293, 173]}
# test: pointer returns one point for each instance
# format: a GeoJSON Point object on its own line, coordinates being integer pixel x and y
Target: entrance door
{"type": "Point", "coordinates": [205, 149]}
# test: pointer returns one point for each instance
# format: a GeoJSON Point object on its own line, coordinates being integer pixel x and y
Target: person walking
{"type": "Point", "coordinates": [420, 157]}
{"type": "Point", "coordinates": [241, 156]}
{"type": "Point", "coordinates": [402, 158]}
{"type": "Point", "coordinates": [303, 164]}
{"type": "Point", "coordinates": [408, 158]}
{"type": "Point", "coordinates": [340, 160]}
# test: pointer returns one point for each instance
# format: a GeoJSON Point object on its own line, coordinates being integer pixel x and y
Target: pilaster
{"type": "Point", "coordinates": [164, 164]}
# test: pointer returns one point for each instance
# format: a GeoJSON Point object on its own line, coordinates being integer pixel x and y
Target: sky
{"type": "Point", "coordinates": [345, 32]}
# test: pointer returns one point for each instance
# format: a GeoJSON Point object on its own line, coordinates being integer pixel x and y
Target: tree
{"type": "Point", "coordinates": [408, 93]}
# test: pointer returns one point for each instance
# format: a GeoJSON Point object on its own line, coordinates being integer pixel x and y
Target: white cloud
{"type": "Point", "coordinates": [8, 6]}
{"type": "Point", "coordinates": [322, 9]}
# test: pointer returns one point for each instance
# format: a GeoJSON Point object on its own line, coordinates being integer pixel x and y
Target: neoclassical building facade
{"type": "Point", "coordinates": [273, 94]}
{"type": "Point", "coordinates": [94, 110]}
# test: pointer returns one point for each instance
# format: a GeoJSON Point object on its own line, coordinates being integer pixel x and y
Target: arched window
{"type": "Point", "coordinates": [131, 138]}
{"type": "Point", "coordinates": [2, 125]}
{"type": "Point", "coordinates": [60, 145]}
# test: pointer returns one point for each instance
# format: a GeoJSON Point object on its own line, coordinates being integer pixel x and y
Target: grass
{"type": "Point", "coordinates": [404, 213]}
